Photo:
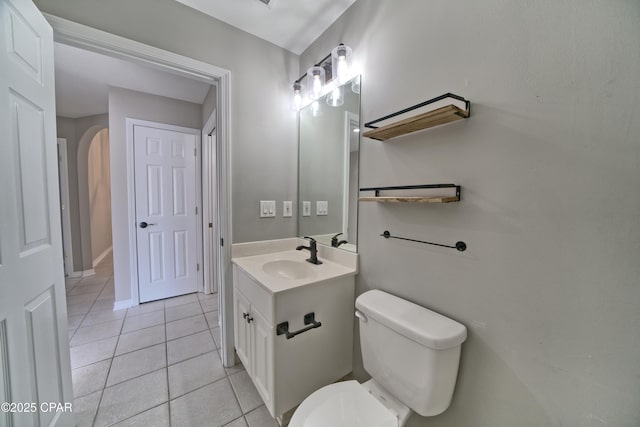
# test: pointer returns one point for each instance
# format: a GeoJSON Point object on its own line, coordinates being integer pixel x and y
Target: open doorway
{"type": "Point", "coordinates": [77, 35]}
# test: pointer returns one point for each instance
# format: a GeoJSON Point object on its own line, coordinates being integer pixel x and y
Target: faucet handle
{"type": "Point", "coordinates": [310, 238]}
{"type": "Point", "coordinates": [336, 236]}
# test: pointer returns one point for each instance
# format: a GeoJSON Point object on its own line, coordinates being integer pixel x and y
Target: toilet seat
{"type": "Point", "coordinates": [343, 404]}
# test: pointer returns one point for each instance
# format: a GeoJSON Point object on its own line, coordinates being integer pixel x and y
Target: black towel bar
{"type": "Point", "coordinates": [309, 319]}
{"type": "Point", "coordinates": [461, 246]}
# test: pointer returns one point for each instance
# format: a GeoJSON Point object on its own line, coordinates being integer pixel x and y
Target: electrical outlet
{"type": "Point", "coordinates": [267, 208]}
{"type": "Point", "coordinates": [322, 208]}
{"type": "Point", "coordinates": [306, 208]}
{"type": "Point", "coordinates": [287, 208]}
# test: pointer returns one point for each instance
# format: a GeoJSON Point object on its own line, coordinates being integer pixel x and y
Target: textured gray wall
{"type": "Point", "coordinates": [549, 163]}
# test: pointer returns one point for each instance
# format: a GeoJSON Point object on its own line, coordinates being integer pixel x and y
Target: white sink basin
{"type": "Point", "coordinates": [283, 270]}
{"type": "Point", "coordinates": [288, 269]}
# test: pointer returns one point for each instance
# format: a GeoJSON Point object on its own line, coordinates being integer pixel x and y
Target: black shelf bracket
{"type": "Point", "coordinates": [309, 319]}
{"type": "Point", "coordinates": [460, 246]}
{"type": "Point", "coordinates": [467, 106]}
{"type": "Point", "coordinates": [412, 187]}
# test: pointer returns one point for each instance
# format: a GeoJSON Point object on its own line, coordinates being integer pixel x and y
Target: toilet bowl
{"type": "Point", "coordinates": [350, 404]}
{"type": "Point", "coordinates": [412, 355]}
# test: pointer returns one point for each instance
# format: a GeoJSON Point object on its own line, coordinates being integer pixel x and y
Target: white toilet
{"type": "Point", "coordinates": [412, 354]}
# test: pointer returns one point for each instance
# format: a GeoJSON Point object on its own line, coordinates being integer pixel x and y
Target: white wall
{"type": "Point", "coordinates": [549, 163]}
{"type": "Point", "coordinates": [100, 194]}
{"type": "Point", "coordinates": [123, 104]}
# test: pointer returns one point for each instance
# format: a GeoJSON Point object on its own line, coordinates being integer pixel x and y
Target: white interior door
{"type": "Point", "coordinates": [34, 351]}
{"type": "Point", "coordinates": [166, 212]}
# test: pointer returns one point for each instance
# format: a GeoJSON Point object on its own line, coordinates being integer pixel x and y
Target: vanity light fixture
{"type": "Point", "coordinates": [335, 68]}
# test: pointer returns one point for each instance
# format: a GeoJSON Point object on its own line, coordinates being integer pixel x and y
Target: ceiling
{"type": "Point", "coordinates": [83, 79]}
{"type": "Point", "coordinates": [290, 24]}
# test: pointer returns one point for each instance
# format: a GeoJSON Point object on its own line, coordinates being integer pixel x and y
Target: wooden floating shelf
{"type": "Point", "coordinates": [412, 199]}
{"type": "Point", "coordinates": [440, 116]}
{"type": "Point", "coordinates": [443, 115]}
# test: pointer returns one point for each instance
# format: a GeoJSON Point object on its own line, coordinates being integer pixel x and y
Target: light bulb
{"type": "Point", "coordinates": [340, 63]}
{"type": "Point", "coordinates": [317, 76]}
{"type": "Point", "coordinates": [297, 96]}
{"type": "Point", "coordinates": [315, 109]}
{"type": "Point", "coordinates": [317, 86]}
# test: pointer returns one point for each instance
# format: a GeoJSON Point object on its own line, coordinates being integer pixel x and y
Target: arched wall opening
{"type": "Point", "coordinates": [84, 206]}
{"type": "Point", "coordinates": [99, 186]}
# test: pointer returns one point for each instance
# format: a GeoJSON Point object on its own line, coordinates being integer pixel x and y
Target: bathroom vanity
{"type": "Point", "coordinates": [293, 321]}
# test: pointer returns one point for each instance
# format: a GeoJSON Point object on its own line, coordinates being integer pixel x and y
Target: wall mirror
{"type": "Point", "coordinates": [329, 147]}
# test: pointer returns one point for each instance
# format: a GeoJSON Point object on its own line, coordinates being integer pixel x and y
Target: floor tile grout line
{"type": "Point", "coordinates": [104, 387]}
{"type": "Point", "coordinates": [166, 367]}
{"type": "Point", "coordinates": [203, 386]}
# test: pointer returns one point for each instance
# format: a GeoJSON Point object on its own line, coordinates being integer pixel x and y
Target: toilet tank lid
{"type": "Point", "coordinates": [411, 320]}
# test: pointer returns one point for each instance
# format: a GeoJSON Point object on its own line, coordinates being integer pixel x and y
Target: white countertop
{"type": "Point", "coordinates": [331, 268]}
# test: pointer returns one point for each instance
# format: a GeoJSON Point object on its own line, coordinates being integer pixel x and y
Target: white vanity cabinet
{"type": "Point", "coordinates": [285, 371]}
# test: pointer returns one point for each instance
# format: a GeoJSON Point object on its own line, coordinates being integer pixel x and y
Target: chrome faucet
{"type": "Point", "coordinates": [335, 243]}
{"type": "Point", "coordinates": [313, 248]}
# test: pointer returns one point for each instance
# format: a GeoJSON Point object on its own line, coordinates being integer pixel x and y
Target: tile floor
{"type": "Point", "coordinates": [156, 364]}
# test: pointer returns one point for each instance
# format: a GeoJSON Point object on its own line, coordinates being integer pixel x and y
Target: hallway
{"type": "Point", "coordinates": [156, 364]}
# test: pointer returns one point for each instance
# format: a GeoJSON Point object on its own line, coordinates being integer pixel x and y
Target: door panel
{"type": "Point", "coordinates": [41, 334]}
{"type": "Point", "coordinates": [241, 306]}
{"type": "Point", "coordinates": [165, 185]}
{"type": "Point", "coordinates": [262, 356]}
{"type": "Point", "coordinates": [34, 352]}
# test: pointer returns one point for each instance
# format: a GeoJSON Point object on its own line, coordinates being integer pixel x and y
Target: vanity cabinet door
{"type": "Point", "coordinates": [242, 329]}
{"type": "Point", "coordinates": [262, 349]}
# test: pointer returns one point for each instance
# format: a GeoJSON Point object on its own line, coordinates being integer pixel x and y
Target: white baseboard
{"type": "Point", "coordinates": [75, 274]}
{"type": "Point", "coordinates": [100, 257]}
{"type": "Point", "coordinates": [120, 305]}
{"type": "Point", "coordinates": [87, 273]}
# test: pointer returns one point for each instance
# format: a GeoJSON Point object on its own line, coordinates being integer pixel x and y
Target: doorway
{"type": "Point", "coordinates": [88, 38]}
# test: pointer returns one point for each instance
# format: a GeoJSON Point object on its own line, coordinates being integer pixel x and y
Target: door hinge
{"type": "Point", "coordinates": [197, 267]}
{"type": "Point", "coordinates": [210, 225]}
{"type": "Point", "coordinates": [195, 152]}
{"type": "Point", "coordinates": [196, 210]}
{"type": "Point", "coordinates": [221, 242]}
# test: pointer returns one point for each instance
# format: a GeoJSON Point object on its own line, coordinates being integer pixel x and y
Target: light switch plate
{"type": "Point", "coordinates": [306, 208]}
{"type": "Point", "coordinates": [267, 208]}
{"type": "Point", "coordinates": [322, 208]}
{"type": "Point", "coordinates": [287, 208]}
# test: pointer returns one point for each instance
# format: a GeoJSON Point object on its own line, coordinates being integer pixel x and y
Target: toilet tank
{"type": "Point", "coordinates": [410, 351]}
